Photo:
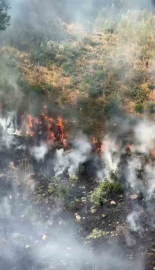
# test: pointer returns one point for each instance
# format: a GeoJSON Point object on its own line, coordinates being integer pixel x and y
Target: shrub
{"type": "Point", "coordinates": [137, 94]}
{"type": "Point", "coordinates": [150, 106]}
{"type": "Point", "coordinates": [107, 20]}
{"type": "Point", "coordinates": [112, 108]}
{"type": "Point", "coordinates": [96, 91]}
{"type": "Point", "coordinates": [69, 67]}
{"type": "Point", "coordinates": [96, 233]}
{"type": "Point", "coordinates": [139, 108]}
{"type": "Point", "coordinates": [104, 189]}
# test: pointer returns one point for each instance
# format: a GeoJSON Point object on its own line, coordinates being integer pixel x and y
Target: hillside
{"type": "Point", "coordinates": [93, 70]}
{"type": "Point", "coordinates": [77, 141]}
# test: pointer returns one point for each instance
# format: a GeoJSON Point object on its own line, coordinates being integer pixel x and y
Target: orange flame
{"type": "Point", "coordinates": [97, 145]}
{"type": "Point", "coordinates": [55, 133]}
{"type": "Point", "coordinates": [29, 126]}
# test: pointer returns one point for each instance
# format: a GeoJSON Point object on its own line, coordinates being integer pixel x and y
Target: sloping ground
{"type": "Point", "coordinates": [41, 230]}
{"type": "Point", "coordinates": [95, 72]}
{"type": "Point", "coordinates": [87, 78]}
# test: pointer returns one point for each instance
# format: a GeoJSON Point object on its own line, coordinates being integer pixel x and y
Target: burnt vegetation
{"type": "Point", "coordinates": [77, 143]}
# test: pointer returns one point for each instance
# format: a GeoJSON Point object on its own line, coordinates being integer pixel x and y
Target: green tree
{"type": "Point", "coordinates": [4, 17]}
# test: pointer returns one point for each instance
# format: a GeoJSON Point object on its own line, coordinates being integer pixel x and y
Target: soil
{"type": "Point", "coordinates": [29, 220]}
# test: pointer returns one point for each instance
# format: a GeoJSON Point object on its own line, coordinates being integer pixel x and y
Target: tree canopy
{"type": "Point", "coordinates": [4, 17]}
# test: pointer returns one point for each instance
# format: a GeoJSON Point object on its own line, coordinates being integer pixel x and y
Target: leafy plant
{"type": "Point", "coordinates": [4, 17]}
{"type": "Point", "coordinates": [96, 233]}
{"type": "Point", "coordinates": [104, 189]}
{"type": "Point", "coordinates": [96, 91]}
{"type": "Point", "coordinates": [150, 106]}
{"type": "Point", "coordinates": [139, 108]}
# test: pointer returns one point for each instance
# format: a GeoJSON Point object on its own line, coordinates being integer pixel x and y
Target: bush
{"type": "Point", "coordinates": [105, 189]}
{"type": "Point", "coordinates": [150, 106]}
{"type": "Point", "coordinates": [137, 94]}
{"type": "Point", "coordinates": [112, 108]}
{"type": "Point", "coordinates": [107, 20]}
{"type": "Point", "coordinates": [139, 108]}
{"type": "Point", "coordinates": [45, 53]}
{"type": "Point", "coordinates": [96, 91]}
{"type": "Point", "coordinates": [97, 234]}
{"type": "Point", "coordinates": [69, 67]}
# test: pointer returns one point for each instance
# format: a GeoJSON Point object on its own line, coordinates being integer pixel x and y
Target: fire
{"type": "Point", "coordinates": [29, 126]}
{"type": "Point", "coordinates": [128, 148]}
{"type": "Point", "coordinates": [97, 145]}
{"type": "Point", "coordinates": [60, 124]}
{"type": "Point", "coordinates": [53, 132]}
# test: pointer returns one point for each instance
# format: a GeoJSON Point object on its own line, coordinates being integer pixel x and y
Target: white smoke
{"type": "Point", "coordinates": [72, 159]}
{"type": "Point", "coordinates": [110, 157]}
{"type": "Point", "coordinates": [40, 151]}
{"type": "Point", "coordinates": [145, 136]}
{"type": "Point", "coordinates": [8, 127]}
{"type": "Point", "coordinates": [134, 221]}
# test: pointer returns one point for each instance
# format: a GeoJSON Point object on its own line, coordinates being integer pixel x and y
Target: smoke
{"type": "Point", "coordinates": [30, 241]}
{"type": "Point", "coordinates": [32, 238]}
{"type": "Point", "coordinates": [36, 235]}
{"type": "Point", "coordinates": [133, 220]}
{"type": "Point", "coordinates": [7, 130]}
{"type": "Point", "coordinates": [145, 136]}
{"type": "Point", "coordinates": [71, 161]}
{"type": "Point", "coordinates": [39, 152]}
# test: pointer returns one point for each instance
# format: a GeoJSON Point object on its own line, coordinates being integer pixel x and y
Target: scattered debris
{"type": "Point", "coordinates": [93, 210]}
{"type": "Point", "coordinates": [77, 217]}
{"type": "Point", "coordinates": [134, 197]}
{"type": "Point", "coordinates": [113, 203]}
{"type": "Point", "coordinates": [44, 237]}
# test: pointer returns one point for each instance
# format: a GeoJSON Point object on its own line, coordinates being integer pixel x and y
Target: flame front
{"type": "Point", "coordinates": [45, 125]}
{"type": "Point", "coordinates": [29, 126]}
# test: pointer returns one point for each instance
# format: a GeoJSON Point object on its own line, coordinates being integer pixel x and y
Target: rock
{"type": "Point", "coordinates": [93, 210]}
{"type": "Point", "coordinates": [134, 197]}
{"type": "Point", "coordinates": [44, 237]}
{"type": "Point", "coordinates": [77, 218]}
{"type": "Point", "coordinates": [113, 203]}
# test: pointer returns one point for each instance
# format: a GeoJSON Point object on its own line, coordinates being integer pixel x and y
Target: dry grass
{"type": "Point", "coordinates": [127, 56]}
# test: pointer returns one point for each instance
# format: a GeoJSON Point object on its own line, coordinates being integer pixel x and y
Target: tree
{"type": "Point", "coordinates": [4, 17]}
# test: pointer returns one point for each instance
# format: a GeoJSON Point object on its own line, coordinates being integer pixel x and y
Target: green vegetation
{"type": "Point", "coordinates": [4, 17]}
{"type": "Point", "coordinates": [150, 107]}
{"type": "Point", "coordinates": [97, 76]}
{"type": "Point", "coordinates": [97, 234]}
{"type": "Point", "coordinates": [66, 190]}
{"type": "Point", "coordinates": [139, 108]}
{"type": "Point", "coordinates": [104, 190]}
